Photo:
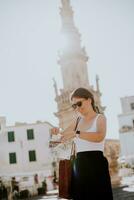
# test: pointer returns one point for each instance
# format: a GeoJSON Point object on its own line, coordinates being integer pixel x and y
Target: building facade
{"type": "Point", "coordinates": [126, 129]}
{"type": "Point", "coordinates": [24, 148]}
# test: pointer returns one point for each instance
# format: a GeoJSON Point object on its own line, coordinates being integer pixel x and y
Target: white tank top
{"type": "Point", "coordinates": [84, 145]}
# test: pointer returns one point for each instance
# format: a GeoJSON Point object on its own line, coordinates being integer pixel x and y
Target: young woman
{"type": "Point", "coordinates": [91, 179]}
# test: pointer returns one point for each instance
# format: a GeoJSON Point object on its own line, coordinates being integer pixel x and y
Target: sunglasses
{"type": "Point", "coordinates": [78, 104]}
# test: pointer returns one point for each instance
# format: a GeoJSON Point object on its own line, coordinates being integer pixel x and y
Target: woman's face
{"type": "Point", "coordinates": [81, 105]}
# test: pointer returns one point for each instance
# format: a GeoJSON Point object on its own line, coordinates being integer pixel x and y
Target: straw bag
{"type": "Point", "coordinates": [65, 173]}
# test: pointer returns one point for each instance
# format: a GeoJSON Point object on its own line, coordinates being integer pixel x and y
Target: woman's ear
{"type": "Point", "coordinates": [90, 100]}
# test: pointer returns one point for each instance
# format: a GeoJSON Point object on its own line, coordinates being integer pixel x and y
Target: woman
{"type": "Point", "coordinates": [91, 179]}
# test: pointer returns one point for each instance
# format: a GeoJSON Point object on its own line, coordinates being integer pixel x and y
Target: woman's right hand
{"type": "Point", "coordinates": [55, 130]}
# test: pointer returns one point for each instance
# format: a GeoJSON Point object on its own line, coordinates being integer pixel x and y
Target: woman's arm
{"type": "Point", "coordinates": [89, 136]}
{"type": "Point", "coordinates": [70, 127]}
{"type": "Point", "coordinates": [96, 136]}
{"type": "Point", "coordinates": [55, 130]}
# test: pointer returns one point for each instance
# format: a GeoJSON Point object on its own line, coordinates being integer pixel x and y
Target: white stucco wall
{"type": "Point", "coordinates": [126, 119]}
{"type": "Point", "coordinates": [127, 144]}
{"type": "Point", "coordinates": [22, 146]}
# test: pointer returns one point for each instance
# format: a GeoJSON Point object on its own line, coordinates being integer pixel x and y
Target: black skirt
{"type": "Point", "coordinates": [91, 179]}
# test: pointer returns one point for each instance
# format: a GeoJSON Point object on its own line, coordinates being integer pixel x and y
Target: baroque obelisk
{"type": "Point", "coordinates": [73, 61]}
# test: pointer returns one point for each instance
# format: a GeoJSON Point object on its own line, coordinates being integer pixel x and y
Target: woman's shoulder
{"type": "Point", "coordinates": [101, 124]}
{"type": "Point", "coordinates": [101, 117]}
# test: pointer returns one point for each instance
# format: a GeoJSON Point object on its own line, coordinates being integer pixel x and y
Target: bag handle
{"type": "Point", "coordinates": [73, 152]}
{"type": "Point", "coordinates": [77, 121]}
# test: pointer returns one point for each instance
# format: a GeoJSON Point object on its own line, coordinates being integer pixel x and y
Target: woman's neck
{"type": "Point", "coordinates": [89, 115]}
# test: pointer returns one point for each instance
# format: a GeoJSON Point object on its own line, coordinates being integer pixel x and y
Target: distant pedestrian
{"type": "Point", "coordinates": [36, 183]}
{"type": "Point", "coordinates": [15, 188]}
{"type": "Point", "coordinates": [44, 186]}
{"type": "Point", "coordinates": [54, 180]}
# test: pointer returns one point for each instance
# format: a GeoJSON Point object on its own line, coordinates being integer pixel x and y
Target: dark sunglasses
{"type": "Point", "coordinates": [78, 104]}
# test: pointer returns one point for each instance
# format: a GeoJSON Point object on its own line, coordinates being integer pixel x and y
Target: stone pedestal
{"type": "Point", "coordinates": [112, 150]}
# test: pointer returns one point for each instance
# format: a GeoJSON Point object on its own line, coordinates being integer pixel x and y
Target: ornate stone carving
{"type": "Point", "coordinates": [111, 151]}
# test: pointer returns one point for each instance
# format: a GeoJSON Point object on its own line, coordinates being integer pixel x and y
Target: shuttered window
{"type": "Point", "coordinates": [30, 134]}
{"type": "Point", "coordinates": [12, 158]}
{"type": "Point", "coordinates": [32, 156]}
{"type": "Point", "coordinates": [11, 137]}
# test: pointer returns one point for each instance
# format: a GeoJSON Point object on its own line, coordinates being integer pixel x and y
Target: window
{"type": "Point", "coordinates": [30, 134]}
{"type": "Point", "coordinates": [133, 123]}
{"type": "Point", "coordinates": [12, 158]}
{"type": "Point", "coordinates": [32, 156]}
{"type": "Point", "coordinates": [11, 137]}
{"type": "Point", "coordinates": [132, 106]}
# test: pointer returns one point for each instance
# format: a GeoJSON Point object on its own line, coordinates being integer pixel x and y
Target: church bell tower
{"type": "Point", "coordinates": [73, 61]}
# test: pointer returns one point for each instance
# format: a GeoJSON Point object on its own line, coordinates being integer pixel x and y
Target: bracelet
{"type": "Point", "coordinates": [77, 132]}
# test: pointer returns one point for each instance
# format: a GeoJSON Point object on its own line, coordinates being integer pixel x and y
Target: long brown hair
{"type": "Point", "coordinates": [86, 94]}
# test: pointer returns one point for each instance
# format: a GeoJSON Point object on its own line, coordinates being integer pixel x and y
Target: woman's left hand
{"type": "Point", "coordinates": [67, 136]}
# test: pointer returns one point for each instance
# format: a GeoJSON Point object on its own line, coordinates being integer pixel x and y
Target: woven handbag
{"type": "Point", "coordinates": [65, 173]}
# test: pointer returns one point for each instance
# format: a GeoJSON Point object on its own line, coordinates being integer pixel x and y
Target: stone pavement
{"type": "Point", "coordinates": [52, 195]}
{"type": "Point", "coordinates": [119, 193]}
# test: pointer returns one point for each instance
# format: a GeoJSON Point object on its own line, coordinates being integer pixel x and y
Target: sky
{"type": "Point", "coordinates": [30, 33]}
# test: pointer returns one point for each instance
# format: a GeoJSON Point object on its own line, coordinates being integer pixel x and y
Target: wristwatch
{"type": "Point", "coordinates": [77, 134]}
